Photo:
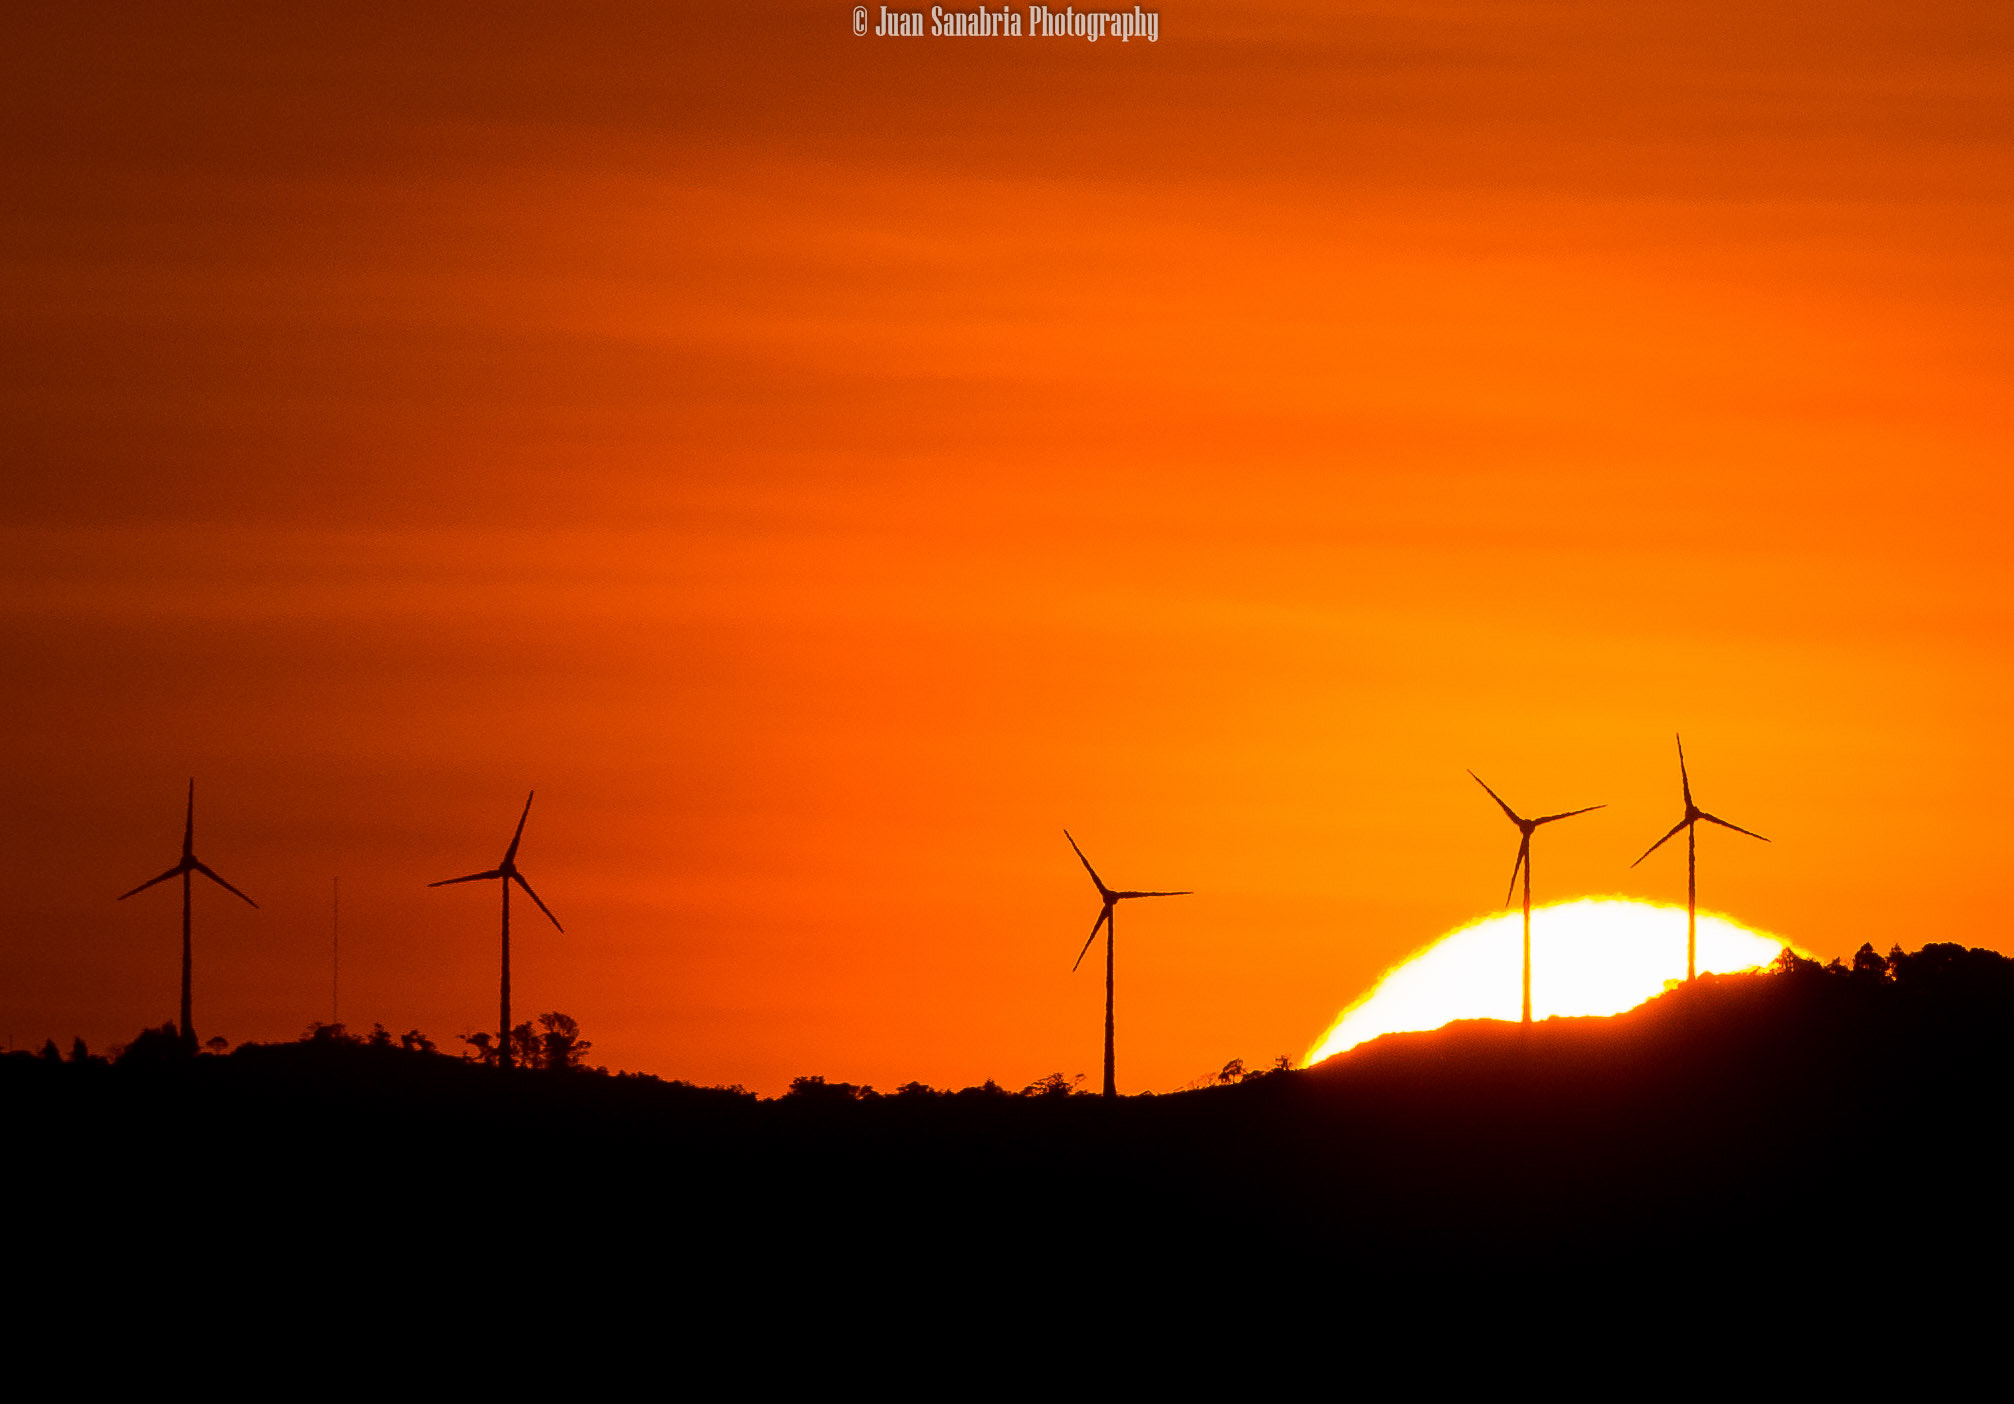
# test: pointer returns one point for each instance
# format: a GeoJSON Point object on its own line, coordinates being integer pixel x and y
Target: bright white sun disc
{"type": "Point", "coordinates": [1594, 955]}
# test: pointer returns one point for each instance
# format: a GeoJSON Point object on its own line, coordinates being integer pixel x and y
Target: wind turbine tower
{"type": "Point", "coordinates": [184, 869]}
{"type": "Point", "coordinates": [1526, 827]}
{"type": "Point", "coordinates": [1690, 823]}
{"type": "Point", "coordinates": [506, 873]}
{"type": "Point", "coordinates": [1109, 899]}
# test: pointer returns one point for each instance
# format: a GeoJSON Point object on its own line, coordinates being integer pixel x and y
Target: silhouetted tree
{"type": "Point", "coordinates": [50, 1052]}
{"type": "Point", "coordinates": [561, 1048]}
{"type": "Point", "coordinates": [321, 1033]}
{"type": "Point", "coordinates": [1790, 963]}
{"type": "Point", "coordinates": [217, 1043]}
{"type": "Point", "coordinates": [162, 1045]}
{"type": "Point", "coordinates": [1233, 1071]}
{"type": "Point", "coordinates": [1944, 967]}
{"type": "Point", "coordinates": [1054, 1085]}
{"type": "Point", "coordinates": [482, 1048]}
{"type": "Point", "coordinates": [413, 1041]}
{"type": "Point", "coordinates": [1944, 964]}
{"type": "Point", "coordinates": [917, 1089]}
{"type": "Point", "coordinates": [380, 1037]}
{"type": "Point", "coordinates": [525, 1050]}
{"type": "Point", "coordinates": [80, 1052]}
{"type": "Point", "coordinates": [818, 1091]}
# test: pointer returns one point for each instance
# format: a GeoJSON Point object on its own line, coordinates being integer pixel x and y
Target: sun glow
{"type": "Point", "coordinates": [1594, 955]}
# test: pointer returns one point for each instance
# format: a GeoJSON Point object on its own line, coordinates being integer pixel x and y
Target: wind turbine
{"type": "Point", "coordinates": [1693, 814]}
{"type": "Point", "coordinates": [1110, 899]}
{"type": "Point", "coordinates": [1526, 827]}
{"type": "Point", "coordinates": [190, 863]}
{"type": "Point", "coordinates": [505, 874]}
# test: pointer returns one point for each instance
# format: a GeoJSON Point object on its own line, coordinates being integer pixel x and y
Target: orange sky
{"type": "Point", "coordinates": [825, 467]}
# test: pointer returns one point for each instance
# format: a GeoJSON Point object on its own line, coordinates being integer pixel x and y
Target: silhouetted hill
{"type": "Point", "coordinates": [1802, 1121]}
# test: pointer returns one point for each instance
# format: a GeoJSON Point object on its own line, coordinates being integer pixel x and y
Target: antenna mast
{"type": "Point", "coordinates": [336, 953]}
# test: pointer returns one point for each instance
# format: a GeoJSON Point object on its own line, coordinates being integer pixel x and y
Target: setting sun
{"type": "Point", "coordinates": [1594, 955]}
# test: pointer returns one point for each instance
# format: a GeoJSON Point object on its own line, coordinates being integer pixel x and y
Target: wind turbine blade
{"type": "Point", "coordinates": [1096, 880]}
{"type": "Point", "coordinates": [1675, 829]}
{"type": "Point", "coordinates": [1121, 896]}
{"type": "Point", "coordinates": [1547, 819]}
{"type": "Point", "coordinates": [175, 871]}
{"type": "Point", "coordinates": [1725, 825]}
{"type": "Point", "coordinates": [472, 877]}
{"type": "Point", "coordinates": [1499, 799]}
{"type": "Point", "coordinates": [518, 878]}
{"type": "Point", "coordinates": [189, 823]}
{"type": "Point", "coordinates": [516, 838]}
{"type": "Point", "coordinates": [1103, 913]}
{"type": "Point", "coordinates": [1523, 851]}
{"type": "Point", "coordinates": [1684, 780]}
{"type": "Point", "coordinates": [205, 871]}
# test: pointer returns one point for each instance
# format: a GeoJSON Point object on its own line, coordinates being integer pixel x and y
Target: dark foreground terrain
{"type": "Point", "coordinates": [1806, 1124]}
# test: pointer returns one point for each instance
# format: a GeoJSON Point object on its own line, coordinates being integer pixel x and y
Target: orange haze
{"type": "Point", "coordinates": [825, 467]}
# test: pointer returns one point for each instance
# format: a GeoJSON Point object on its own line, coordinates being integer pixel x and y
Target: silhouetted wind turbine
{"type": "Point", "coordinates": [506, 873]}
{"type": "Point", "coordinates": [1525, 827]}
{"type": "Point", "coordinates": [1110, 899]}
{"type": "Point", "coordinates": [1693, 814]}
{"type": "Point", "coordinates": [189, 864]}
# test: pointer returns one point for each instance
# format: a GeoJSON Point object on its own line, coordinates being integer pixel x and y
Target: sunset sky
{"type": "Point", "coordinates": [827, 467]}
